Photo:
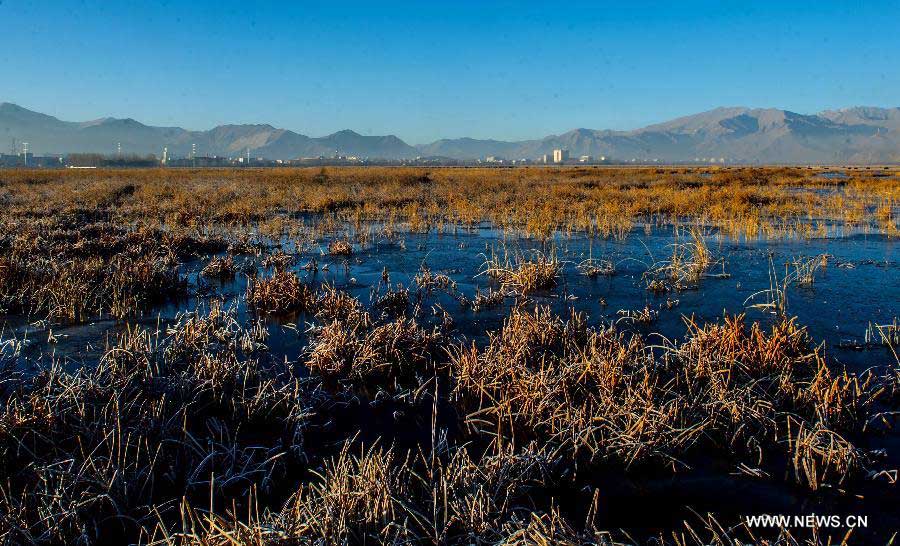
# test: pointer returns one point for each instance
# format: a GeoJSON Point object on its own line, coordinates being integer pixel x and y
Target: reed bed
{"type": "Point", "coordinates": [60, 268]}
{"type": "Point", "coordinates": [97, 455]}
{"type": "Point", "coordinates": [281, 293]}
{"type": "Point", "coordinates": [220, 267]}
{"type": "Point", "coordinates": [340, 248]}
{"type": "Point", "coordinates": [524, 275]}
{"type": "Point", "coordinates": [192, 434]}
{"type": "Point", "coordinates": [688, 264]}
{"type": "Point", "coordinates": [604, 202]}
{"type": "Point", "coordinates": [278, 261]}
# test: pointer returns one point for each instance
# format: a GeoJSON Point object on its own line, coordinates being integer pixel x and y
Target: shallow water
{"type": "Point", "coordinates": [859, 285]}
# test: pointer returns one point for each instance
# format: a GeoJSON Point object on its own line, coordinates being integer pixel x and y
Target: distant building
{"type": "Point", "coordinates": [585, 159]}
{"type": "Point", "coordinates": [10, 160]}
{"type": "Point", "coordinates": [49, 161]}
{"type": "Point", "coordinates": [560, 155]}
{"type": "Point", "coordinates": [546, 158]}
{"type": "Point", "coordinates": [205, 161]}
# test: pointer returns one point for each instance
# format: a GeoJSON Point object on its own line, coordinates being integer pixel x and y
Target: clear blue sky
{"type": "Point", "coordinates": [424, 70]}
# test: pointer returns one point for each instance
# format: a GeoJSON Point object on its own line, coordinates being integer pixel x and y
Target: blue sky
{"type": "Point", "coordinates": [423, 70]}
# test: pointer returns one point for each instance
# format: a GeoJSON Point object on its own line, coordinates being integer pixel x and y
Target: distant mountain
{"type": "Point", "coordinates": [854, 135]}
{"type": "Point", "coordinates": [466, 148]}
{"type": "Point", "coordinates": [889, 118]}
{"type": "Point", "coordinates": [47, 134]}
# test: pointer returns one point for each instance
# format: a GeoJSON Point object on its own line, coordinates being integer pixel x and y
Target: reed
{"type": "Point", "coordinates": [597, 268]}
{"type": "Point", "coordinates": [688, 264]}
{"type": "Point", "coordinates": [524, 275]}
{"type": "Point", "coordinates": [392, 426]}
{"type": "Point", "coordinates": [281, 293]}
{"type": "Point", "coordinates": [803, 270]}
{"type": "Point", "coordinates": [340, 248]}
{"type": "Point", "coordinates": [538, 202]}
{"type": "Point", "coordinates": [220, 267]}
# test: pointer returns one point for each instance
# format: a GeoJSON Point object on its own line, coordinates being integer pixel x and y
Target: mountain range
{"type": "Point", "coordinates": [737, 134]}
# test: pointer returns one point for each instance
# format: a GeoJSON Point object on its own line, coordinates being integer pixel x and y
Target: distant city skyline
{"type": "Point", "coordinates": [502, 70]}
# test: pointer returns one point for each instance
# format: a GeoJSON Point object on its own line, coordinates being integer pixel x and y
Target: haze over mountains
{"type": "Point", "coordinates": [852, 135]}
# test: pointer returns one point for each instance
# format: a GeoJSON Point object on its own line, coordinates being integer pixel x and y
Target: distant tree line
{"type": "Point", "coordinates": [124, 160]}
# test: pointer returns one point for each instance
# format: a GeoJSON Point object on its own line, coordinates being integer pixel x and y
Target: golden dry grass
{"type": "Point", "coordinates": [770, 202]}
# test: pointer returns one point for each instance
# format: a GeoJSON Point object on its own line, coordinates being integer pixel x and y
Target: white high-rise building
{"type": "Point", "coordinates": [560, 155]}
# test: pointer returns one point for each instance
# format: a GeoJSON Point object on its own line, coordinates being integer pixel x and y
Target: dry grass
{"type": "Point", "coordinates": [489, 299]}
{"type": "Point", "coordinates": [389, 428]}
{"type": "Point", "coordinates": [96, 455]}
{"type": "Point", "coordinates": [340, 248]}
{"type": "Point", "coordinates": [524, 275]}
{"type": "Point", "coordinates": [597, 268]}
{"type": "Point", "coordinates": [596, 393]}
{"type": "Point", "coordinates": [356, 347]}
{"type": "Point", "coordinates": [688, 264]}
{"type": "Point", "coordinates": [198, 416]}
{"type": "Point", "coordinates": [803, 270]}
{"type": "Point", "coordinates": [220, 267]}
{"type": "Point", "coordinates": [608, 202]}
{"type": "Point", "coordinates": [53, 270]}
{"type": "Point", "coordinates": [278, 261]}
{"type": "Point", "coordinates": [281, 293]}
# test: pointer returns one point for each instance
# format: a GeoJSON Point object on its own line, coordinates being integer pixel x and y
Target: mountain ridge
{"type": "Point", "coordinates": [858, 134]}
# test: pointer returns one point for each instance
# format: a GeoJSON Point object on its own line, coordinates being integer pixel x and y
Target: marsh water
{"type": "Point", "coordinates": [857, 286]}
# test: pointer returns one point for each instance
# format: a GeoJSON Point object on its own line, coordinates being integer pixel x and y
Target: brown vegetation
{"type": "Point", "coordinates": [387, 428]}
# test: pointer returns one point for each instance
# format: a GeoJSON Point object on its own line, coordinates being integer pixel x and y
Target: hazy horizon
{"type": "Point", "coordinates": [501, 70]}
{"type": "Point", "coordinates": [387, 132]}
